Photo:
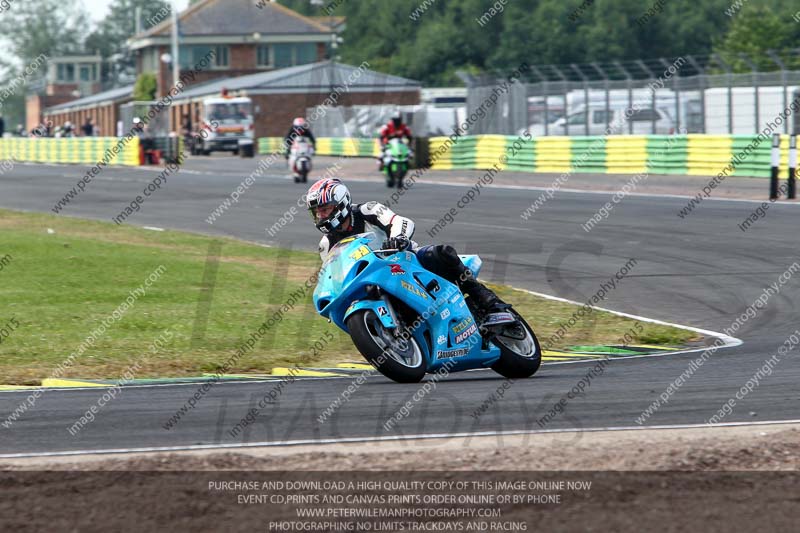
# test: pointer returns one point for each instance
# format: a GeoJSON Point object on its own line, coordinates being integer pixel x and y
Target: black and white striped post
{"type": "Point", "coordinates": [776, 163]}
{"type": "Point", "coordinates": [792, 165]}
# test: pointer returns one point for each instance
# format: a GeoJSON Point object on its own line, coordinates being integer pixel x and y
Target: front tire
{"type": "Point", "coordinates": [372, 340]}
{"type": "Point", "coordinates": [520, 352]}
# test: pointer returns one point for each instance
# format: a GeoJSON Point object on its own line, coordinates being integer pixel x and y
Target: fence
{"type": "Point", "coordinates": [158, 125]}
{"type": "Point", "coordinates": [364, 122]}
{"type": "Point", "coordinates": [680, 95]}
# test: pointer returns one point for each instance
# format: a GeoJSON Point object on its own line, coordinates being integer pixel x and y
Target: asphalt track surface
{"type": "Point", "coordinates": [701, 271]}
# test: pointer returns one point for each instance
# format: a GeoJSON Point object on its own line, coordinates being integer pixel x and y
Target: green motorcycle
{"type": "Point", "coordinates": [396, 158]}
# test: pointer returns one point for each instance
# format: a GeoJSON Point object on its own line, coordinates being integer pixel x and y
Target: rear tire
{"type": "Point", "coordinates": [366, 330]}
{"type": "Point", "coordinates": [511, 364]}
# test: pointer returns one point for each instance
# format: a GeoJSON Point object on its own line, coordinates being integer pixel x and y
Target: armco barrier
{"type": "Point", "coordinates": [85, 150]}
{"type": "Point", "coordinates": [695, 154]}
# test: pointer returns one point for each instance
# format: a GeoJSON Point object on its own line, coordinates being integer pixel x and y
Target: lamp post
{"type": "Point", "coordinates": [175, 57]}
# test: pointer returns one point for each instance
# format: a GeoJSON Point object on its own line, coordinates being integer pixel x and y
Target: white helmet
{"type": "Point", "coordinates": [299, 122]}
{"type": "Point", "coordinates": [329, 192]}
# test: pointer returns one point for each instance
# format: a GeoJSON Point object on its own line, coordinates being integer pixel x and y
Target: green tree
{"type": "Point", "coordinates": [112, 33]}
{"type": "Point", "coordinates": [754, 31]}
{"type": "Point", "coordinates": [446, 37]}
{"type": "Point", "coordinates": [30, 29]}
{"type": "Point", "coordinates": [144, 90]}
{"type": "Point", "coordinates": [33, 32]}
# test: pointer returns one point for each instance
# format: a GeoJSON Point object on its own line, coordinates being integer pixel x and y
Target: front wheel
{"type": "Point", "coordinates": [398, 360]}
{"type": "Point", "coordinates": [520, 352]}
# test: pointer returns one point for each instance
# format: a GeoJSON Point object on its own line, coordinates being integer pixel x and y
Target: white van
{"type": "Point", "coordinates": [640, 121]}
{"type": "Point", "coordinates": [227, 121]}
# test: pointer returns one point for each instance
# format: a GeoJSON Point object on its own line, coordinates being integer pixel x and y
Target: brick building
{"type": "Point", "coordinates": [270, 53]}
{"type": "Point", "coordinates": [103, 108]}
{"type": "Point", "coordinates": [247, 37]}
{"type": "Point", "coordinates": [282, 95]}
{"type": "Point", "coordinates": [246, 40]}
{"type": "Point", "coordinates": [66, 79]}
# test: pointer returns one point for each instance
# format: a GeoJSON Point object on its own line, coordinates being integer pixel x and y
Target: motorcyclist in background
{"type": "Point", "coordinates": [394, 129]}
{"type": "Point", "coordinates": [299, 129]}
{"type": "Point", "coordinates": [334, 214]}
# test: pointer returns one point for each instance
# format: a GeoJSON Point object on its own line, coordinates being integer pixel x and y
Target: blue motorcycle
{"type": "Point", "coordinates": [407, 321]}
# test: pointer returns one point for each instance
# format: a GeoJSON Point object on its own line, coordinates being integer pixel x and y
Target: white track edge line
{"type": "Point", "coordinates": [388, 438]}
{"type": "Point", "coordinates": [729, 341]}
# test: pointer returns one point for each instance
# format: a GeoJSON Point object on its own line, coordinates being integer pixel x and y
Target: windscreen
{"type": "Point", "coordinates": [344, 244]}
{"type": "Point", "coordinates": [230, 113]}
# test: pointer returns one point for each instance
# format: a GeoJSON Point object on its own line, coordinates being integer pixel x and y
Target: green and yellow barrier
{"type": "Point", "coordinates": [82, 150]}
{"type": "Point", "coordinates": [327, 146]}
{"type": "Point", "coordinates": [695, 154]}
{"type": "Point", "coordinates": [270, 145]}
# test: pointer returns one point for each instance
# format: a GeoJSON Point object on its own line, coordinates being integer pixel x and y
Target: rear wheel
{"type": "Point", "coordinates": [520, 352]}
{"type": "Point", "coordinates": [402, 171]}
{"type": "Point", "coordinates": [399, 360]}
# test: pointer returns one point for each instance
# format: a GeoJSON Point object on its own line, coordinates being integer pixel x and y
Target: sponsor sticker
{"type": "Point", "coordinates": [382, 311]}
{"type": "Point", "coordinates": [396, 269]}
{"type": "Point", "coordinates": [444, 314]}
{"type": "Point", "coordinates": [461, 326]}
{"type": "Point", "coordinates": [361, 252]}
{"type": "Point", "coordinates": [414, 289]}
{"type": "Point", "coordinates": [441, 340]}
{"type": "Point", "coordinates": [459, 352]}
{"type": "Point", "coordinates": [463, 336]}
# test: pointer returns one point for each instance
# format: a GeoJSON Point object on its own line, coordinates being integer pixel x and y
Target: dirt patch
{"type": "Point", "coordinates": [742, 478]}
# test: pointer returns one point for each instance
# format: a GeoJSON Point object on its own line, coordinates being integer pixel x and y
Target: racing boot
{"type": "Point", "coordinates": [444, 261]}
{"type": "Point", "coordinates": [484, 298]}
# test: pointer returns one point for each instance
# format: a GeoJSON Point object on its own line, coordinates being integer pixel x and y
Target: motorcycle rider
{"type": "Point", "coordinates": [300, 129]}
{"type": "Point", "coordinates": [394, 129]}
{"type": "Point", "coordinates": [334, 214]}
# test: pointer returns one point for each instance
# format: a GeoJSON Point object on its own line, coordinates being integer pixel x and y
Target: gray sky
{"type": "Point", "coordinates": [98, 8]}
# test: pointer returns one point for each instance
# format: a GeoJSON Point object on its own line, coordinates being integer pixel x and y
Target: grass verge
{"type": "Point", "coordinates": [61, 278]}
